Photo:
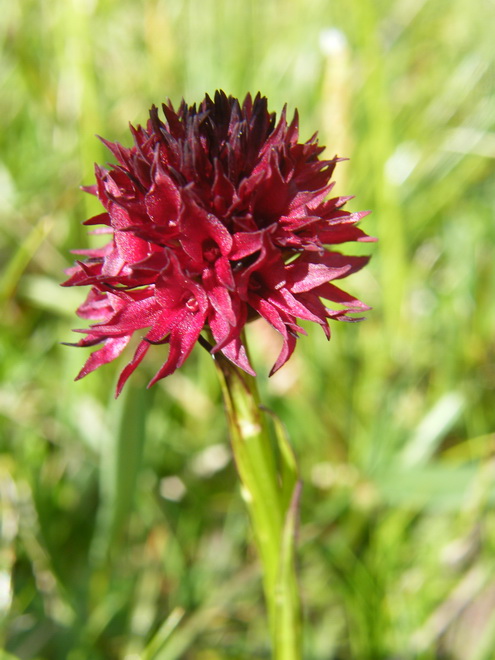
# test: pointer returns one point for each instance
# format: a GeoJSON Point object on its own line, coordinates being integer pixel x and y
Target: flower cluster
{"type": "Point", "coordinates": [218, 215]}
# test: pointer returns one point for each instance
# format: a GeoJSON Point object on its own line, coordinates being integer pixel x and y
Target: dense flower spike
{"type": "Point", "coordinates": [218, 215]}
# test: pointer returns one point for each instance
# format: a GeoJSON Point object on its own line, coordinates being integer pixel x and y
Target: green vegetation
{"type": "Point", "coordinates": [123, 530]}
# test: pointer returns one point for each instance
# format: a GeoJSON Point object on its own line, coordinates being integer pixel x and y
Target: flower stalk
{"type": "Point", "coordinates": [270, 488]}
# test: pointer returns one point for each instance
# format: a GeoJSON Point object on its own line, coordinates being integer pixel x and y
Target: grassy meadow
{"type": "Point", "coordinates": [123, 532]}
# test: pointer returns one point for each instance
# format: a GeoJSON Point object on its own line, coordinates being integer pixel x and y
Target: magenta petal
{"type": "Point", "coordinates": [134, 316]}
{"type": "Point", "coordinates": [182, 340]}
{"type": "Point", "coordinates": [310, 271]}
{"type": "Point", "coordinates": [100, 219]}
{"type": "Point", "coordinates": [120, 152]}
{"type": "Point", "coordinates": [163, 200]}
{"type": "Point", "coordinates": [197, 226]}
{"type": "Point", "coordinates": [306, 276]}
{"type": "Point", "coordinates": [228, 340]}
{"type": "Point", "coordinates": [246, 243]}
{"type": "Point", "coordinates": [289, 304]}
{"type": "Point", "coordinates": [174, 289]}
{"type": "Point", "coordinates": [83, 274]}
{"type": "Point", "coordinates": [220, 299]}
{"type": "Point", "coordinates": [97, 305]}
{"type": "Point", "coordinates": [95, 253]}
{"type": "Point", "coordinates": [236, 353]}
{"type": "Point", "coordinates": [344, 234]}
{"type": "Point", "coordinates": [223, 190]}
{"type": "Point", "coordinates": [332, 292]}
{"type": "Point", "coordinates": [128, 370]}
{"type": "Point", "coordinates": [223, 331]}
{"type": "Point", "coordinates": [223, 271]}
{"type": "Point", "coordinates": [113, 348]}
{"type": "Point", "coordinates": [274, 318]}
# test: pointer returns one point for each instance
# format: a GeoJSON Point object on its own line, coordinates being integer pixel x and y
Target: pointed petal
{"type": "Point", "coordinates": [128, 369]}
{"type": "Point", "coordinates": [113, 348]}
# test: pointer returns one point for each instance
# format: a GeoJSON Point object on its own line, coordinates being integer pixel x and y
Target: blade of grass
{"type": "Point", "coordinates": [120, 465]}
{"type": "Point", "coordinates": [22, 256]}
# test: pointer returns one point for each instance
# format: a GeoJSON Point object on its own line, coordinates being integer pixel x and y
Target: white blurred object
{"type": "Point", "coordinates": [332, 41]}
{"type": "Point", "coordinates": [172, 488]}
{"type": "Point", "coordinates": [402, 162]}
{"type": "Point", "coordinates": [210, 460]}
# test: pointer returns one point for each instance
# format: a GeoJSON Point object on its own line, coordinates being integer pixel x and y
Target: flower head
{"type": "Point", "coordinates": [217, 215]}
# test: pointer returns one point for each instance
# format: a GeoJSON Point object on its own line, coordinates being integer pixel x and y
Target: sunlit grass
{"type": "Point", "coordinates": [121, 537]}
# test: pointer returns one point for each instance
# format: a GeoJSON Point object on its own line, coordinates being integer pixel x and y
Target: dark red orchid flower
{"type": "Point", "coordinates": [218, 215]}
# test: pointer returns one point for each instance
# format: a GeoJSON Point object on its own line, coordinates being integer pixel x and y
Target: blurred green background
{"type": "Point", "coordinates": [123, 532]}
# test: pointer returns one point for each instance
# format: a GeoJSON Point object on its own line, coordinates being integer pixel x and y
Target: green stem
{"type": "Point", "coordinates": [270, 489]}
